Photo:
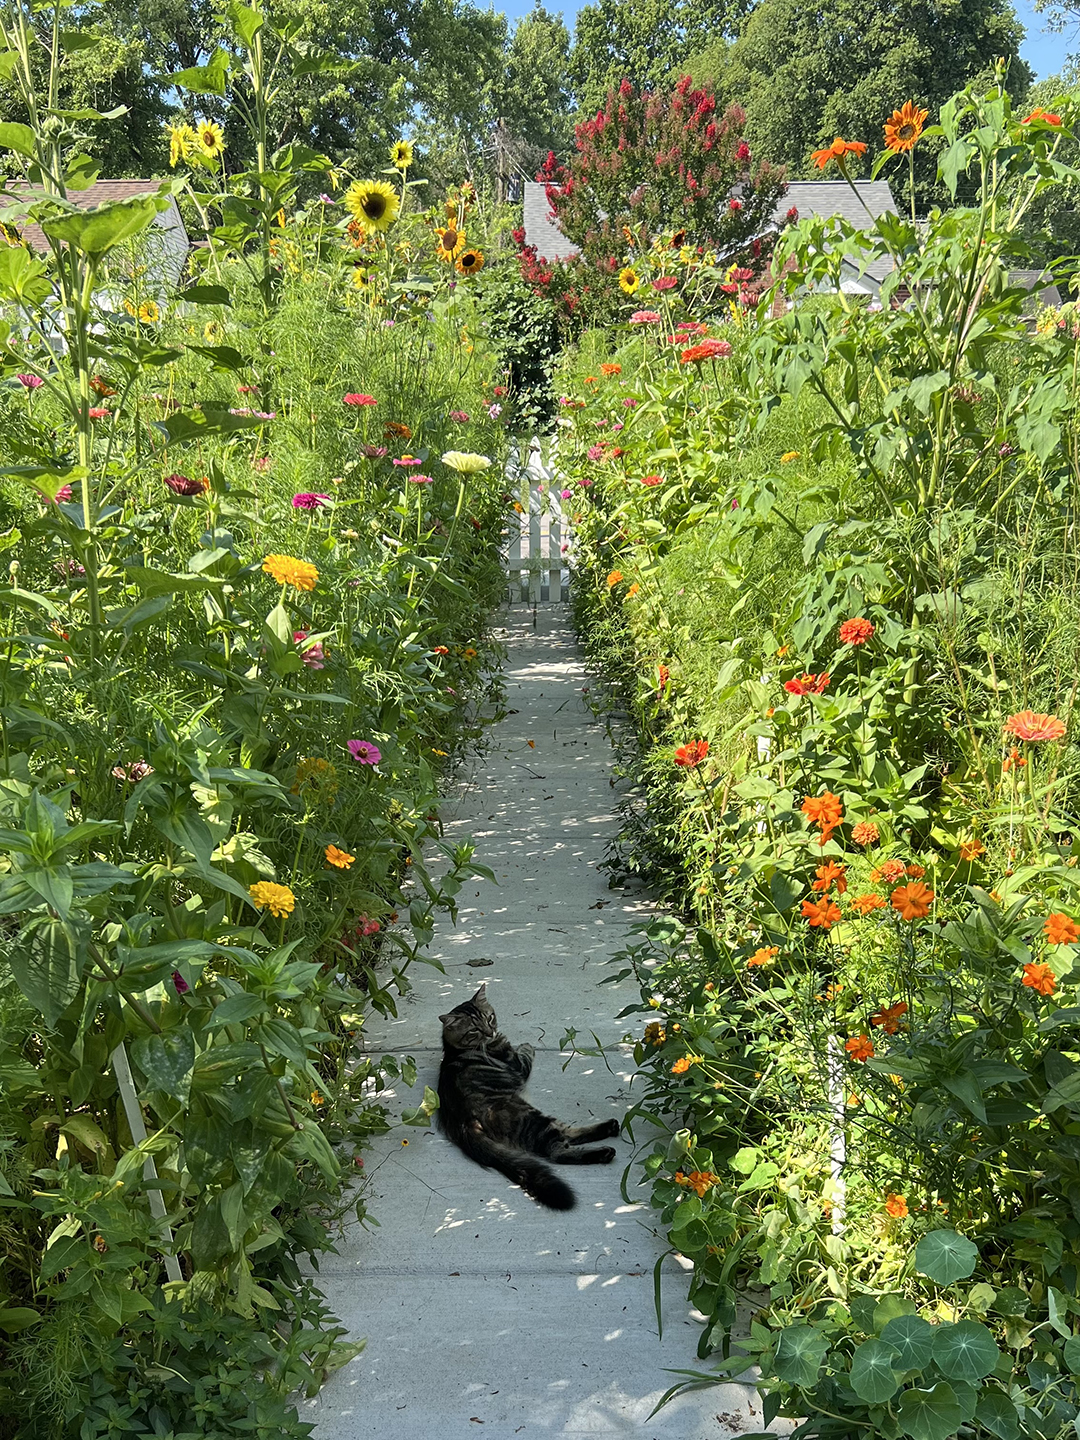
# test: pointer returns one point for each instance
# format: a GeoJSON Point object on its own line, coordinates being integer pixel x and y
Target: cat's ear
{"type": "Point", "coordinates": [481, 994]}
{"type": "Point", "coordinates": [443, 1019]}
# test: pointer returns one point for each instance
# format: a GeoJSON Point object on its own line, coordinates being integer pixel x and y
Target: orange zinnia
{"type": "Point", "coordinates": [864, 904]}
{"type": "Point", "coordinates": [888, 1017]}
{"type": "Point", "coordinates": [825, 811]}
{"type": "Point", "coordinates": [896, 1206]}
{"type": "Point", "coordinates": [1034, 727]}
{"type": "Point", "coordinates": [837, 150]}
{"type": "Point", "coordinates": [763, 956]}
{"type": "Point", "coordinates": [914, 872]}
{"type": "Point", "coordinates": [610, 369]}
{"type": "Point", "coordinates": [889, 870]}
{"type": "Point", "coordinates": [903, 127]}
{"type": "Point", "coordinates": [1040, 978]}
{"type": "Point", "coordinates": [913, 901]}
{"type": "Point", "coordinates": [865, 833]}
{"type": "Point", "coordinates": [856, 632]}
{"type": "Point", "coordinates": [824, 912]}
{"type": "Point", "coordinates": [691, 755]}
{"type": "Point", "coordinates": [831, 874]}
{"type": "Point", "coordinates": [1061, 930]}
{"type": "Point", "coordinates": [860, 1047]}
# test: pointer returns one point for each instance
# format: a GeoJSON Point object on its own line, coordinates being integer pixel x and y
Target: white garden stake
{"type": "Point", "coordinates": [136, 1125]}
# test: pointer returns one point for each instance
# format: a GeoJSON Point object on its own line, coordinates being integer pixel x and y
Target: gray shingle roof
{"type": "Point", "coordinates": [540, 229]}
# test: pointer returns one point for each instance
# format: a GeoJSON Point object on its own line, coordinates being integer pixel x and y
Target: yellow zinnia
{"type": "Point", "coordinates": [449, 243]}
{"type": "Point", "coordinates": [465, 462]}
{"type": "Point", "coordinates": [287, 570]}
{"type": "Point", "coordinates": [278, 899]}
{"type": "Point", "coordinates": [401, 154]}
{"type": "Point", "coordinates": [471, 262]}
{"type": "Point", "coordinates": [210, 137]}
{"type": "Point", "coordinates": [629, 280]}
{"type": "Point", "coordinates": [373, 204]}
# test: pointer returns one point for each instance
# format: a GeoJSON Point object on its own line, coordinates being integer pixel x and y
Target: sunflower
{"type": "Point", "coordinates": [213, 332]}
{"type": "Point", "coordinates": [183, 142]}
{"type": "Point", "coordinates": [360, 278]}
{"type": "Point", "coordinates": [471, 262]}
{"type": "Point", "coordinates": [210, 137]}
{"type": "Point", "coordinates": [373, 204]}
{"type": "Point", "coordinates": [629, 280]}
{"type": "Point", "coordinates": [678, 240]}
{"type": "Point", "coordinates": [401, 154]}
{"type": "Point", "coordinates": [904, 127]}
{"type": "Point", "coordinates": [449, 243]}
{"type": "Point", "coordinates": [149, 312]}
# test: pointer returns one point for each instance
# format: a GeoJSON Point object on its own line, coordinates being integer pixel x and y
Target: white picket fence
{"type": "Point", "coordinates": [538, 548]}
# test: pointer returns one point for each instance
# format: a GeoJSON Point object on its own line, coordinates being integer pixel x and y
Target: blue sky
{"type": "Point", "coordinates": [1043, 51]}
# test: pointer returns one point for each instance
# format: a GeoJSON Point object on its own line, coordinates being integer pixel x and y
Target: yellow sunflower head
{"type": "Point", "coordinates": [629, 280]}
{"type": "Point", "coordinates": [373, 204]}
{"type": "Point", "coordinates": [903, 127]}
{"type": "Point", "coordinates": [183, 143]}
{"type": "Point", "coordinates": [210, 138]}
{"type": "Point", "coordinates": [470, 262]}
{"type": "Point", "coordinates": [360, 278]}
{"type": "Point", "coordinates": [149, 312]}
{"type": "Point", "coordinates": [449, 243]}
{"type": "Point", "coordinates": [213, 332]}
{"type": "Point", "coordinates": [401, 154]}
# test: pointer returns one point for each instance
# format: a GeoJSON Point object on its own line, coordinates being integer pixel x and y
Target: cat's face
{"type": "Point", "coordinates": [471, 1025]}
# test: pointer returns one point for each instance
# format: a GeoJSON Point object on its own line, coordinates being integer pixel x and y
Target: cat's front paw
{"type": "Point", "coordinates": [605, 1155]}
{"type": "Point", "coordinates": [527, 1052]}
{"type": "Point", "coordinates": [609, 1130]}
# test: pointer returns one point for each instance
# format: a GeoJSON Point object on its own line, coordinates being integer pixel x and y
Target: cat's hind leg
{"type": "Point", "coordinates": [583, 1134]}
{"type": "Point", "coordinates": [565, 1152]}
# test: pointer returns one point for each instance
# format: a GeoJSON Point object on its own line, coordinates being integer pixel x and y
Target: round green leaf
{"type": "Point", "coordinates": [872, 1376]}
{"type": "Point", "coordinates": [945, 1257]}
{"type": "Point", "coordinates": [930, 1414]}
{"type": "Point", "coordinates": [912, 1338]}
{"type": "Point", "coordinates": [799, 1353]}
{"type": "Point", "coordinates": [1072, 1354]}
{"type": "Point", "coordinates": [965, 1351]}
{"type": "Point", "coordinates": [997, 1413]}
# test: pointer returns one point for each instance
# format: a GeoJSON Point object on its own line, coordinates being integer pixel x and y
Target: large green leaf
{"type": "Point", "coordinates": [236, 1009]}
{"type": "Point", "coordinates": [932, 1414]}
{"type": "Point", "coordinates": [965, 1351]}
{"type": "Point", "coordinates": [46, 959]}
{"type": "Point", "coordinates": [167, 1061]}
{"type": "Point", "coordinates": [799, 1353]}
{"type": "Point", "coordinates": [997, 1413]}
{"type": "Point", "coordinates": [872, 1376]}
{"type": "Point", "coordinates": [208, 79]}
{"type": "Point", "coordinates": [912, 1338]}
{"type": "Point", "coordinates": [23, 276]}
{"type": "Point", "coordinates": [18, 1317]}
{"type": "Point", "coordinates": [95, 232]}
{"type": "Point", "coordinates": [19, 138]}
{"type": "Point", "coordinates": [945, 1257]}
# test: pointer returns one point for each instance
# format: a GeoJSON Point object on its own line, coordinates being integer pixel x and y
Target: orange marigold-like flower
{"type": "Point", "coordinates": [278, 899]}
{"type": "Point", "coordinates": [903, 128]}
{"type": "Point", "coordinates": [889, 870]}
{"type": "Point", "coordinates": [889, 1016]}
{"type": "Point", "coordinates": [860, 1048]}
{"type": "Point", "coordinates": [865, 833]}
{"type": "Point", "coordinates": [691, 755]}
{"type": "Point", "coordinates": [340, 859]}
{"type": "Point", "coordinates": [864, 904]}
{"type": "Point", "coordinates": [1061, 929]}
{"type": "Point", "coordinates": [698, 1180]}
{"type": "Point", "coordinates": [825, 811]}
{"type": "Point", "coordinates": [831, 874]}
{"type": "Point", "coordinates": [1034, 727]}
{"type": "Point", "coordinates": [837, 150]}
{"type": "Point", "coordinates": [762, 956]}
{"type": "Point", "coordinates": [856, 632]}
{"type": "Point", "coordinates": [1040, 978]}
{"type": "Point", "coordinates": [610, 369]}
{"type": "Point", "coordinates": [896, 1206]}
{"type": "Point", "coordinates": [1015, 759]}
{"type": "Point", "coordinates": [1046, 116]}
{"type": "Point", "coordinates": [971, 849]}
{"type": "Point", "coordinates": [287, 570]}
{"type": "Point", "coordinates": [823, 913]}
{"type": "Point", "coordinates": [614, 578]}
{"type": "Point", "coordinates": [913, 901]}
{"type": "Point", "coordinates": [914, 872]}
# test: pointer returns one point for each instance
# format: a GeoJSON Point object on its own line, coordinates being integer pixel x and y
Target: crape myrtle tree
{"type": "Point", "coordinates": [653, 164]}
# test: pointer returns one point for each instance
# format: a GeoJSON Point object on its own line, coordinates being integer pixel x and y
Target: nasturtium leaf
{"type": "Point", "coordinates": [997, 1413]}
{"type": "Point", "coordinates": [1071, 1351]}
{"type": "Point", "coordinates": [932, 1414]}
{"type": "Point", "coordinates": [965, 1351]}
{"type": "Point", "coordinates": [799, 1353]}
{"type": "Point", "coordinates": [912, 1338]}
{"type": "Point", "coordinates": [872, 1376]}
{"type": "Point", "coordinates": [945, 1257]}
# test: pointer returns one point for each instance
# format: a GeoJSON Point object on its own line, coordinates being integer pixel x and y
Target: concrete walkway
{"type": "Point", "coordinates": [485, 1315]}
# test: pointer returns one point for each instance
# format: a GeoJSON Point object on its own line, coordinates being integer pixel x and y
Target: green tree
{"type": "Point", "coordinates": [534, 102]}
{"type": "Point", "coordinates": [644, 41]}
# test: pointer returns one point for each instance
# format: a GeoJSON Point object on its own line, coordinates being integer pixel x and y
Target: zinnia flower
{"type": "Point", "coordinates": [762, 956]}
{"type": "Point", "coordinates": [364, 752]}
{"type": "Point", "coordinates": [645, 317]}
{"type": "Point", "coordinates": [865, 833]}
{"type": "Point", "coordinates": [185, 485]}
{"type": "Point", "coordinates": [354, 399]}
{"type": "Point", "coordinates": [1061, 929]}
{"type": "Point", "coordinates": [823, 913]}
{"type": "Point", "coordinates": [339, 859]}
{"type": "Point", "coordinates": [889, 871]}
{"type": "Point", "coordinates": [707, 350]}
{"type": "Point", "coordinates": [665, 282]}
{"type": "Point", "coordinates": [98, 412]}
{"type": "Point", "coordinates": [1034, 728]}
{"type": "Point", "coordinates": [287, 570]}
{"type": "Point", "coordinates": [855, 632]}
{"type": "Point", "coordinates": [31, 382]}
{"type": "Point", "coordinates": [461, 416]}
{"type": "Point", "coordinates": [306, 500]}
{"type": "Point", "coordinates": [651, 480]}
{"type": "Point", "coordinates": [1039, 978]}
{"type": "Point", "coordinates": [689, 756]}
{"type": "Point", "coordinates": [470, 263]}
{"type": "Point", "coordinates": [373, 204]}
{"type": "Point", "coordinates": [913, 901]}
{"type": "Point", "coordinates": [971, 849]}
{"type": "Point", "coordinates": [807, 684]}
{"type": "Point", "coordinates": [314, 657]}
{"type": "Point", "coordinates": [903, 127]}
{"type": "Point", "coordinates": [610, 368]}
{"type": "Point", "coordinates": [629, 280]}
{"type": "Point", "coordinates": [788, 456]}
{"type": "Point", "coordinates": [860, 1048]}
{"type": "Point", "coordinates": [889, 1017]}
{"type": "Point", "coordinates": [864, 904]}
{"type": "Point", "coordinates": [837, 150]}
{"type": "Point", "coordinates": [465, 462]}
{"type": "Point", "coordinates": [278, 899]}
{"type": "Point", "coordinates": [896, 1206]}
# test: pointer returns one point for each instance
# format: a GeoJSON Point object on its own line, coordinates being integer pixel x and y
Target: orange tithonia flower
{"type": "Point", "coordinates": [837, 150]}
{"type": "Point", "coordinates": [340, 859]}
{"type": "Point", "coordinates": [902, 129]}
{"type": "Point", "coordinates": [614, 578]}
{"type": "Point", "coordinates": [610, 369]}
{"type": "Point", "coordinates": [889, 1016]}
{"type": "Point", "coordinates": [914, 872]}
{"type": "Point", "coordinates": [691, 755]}
{"type": "Point", "coordinates": [865, 833]}
{"type": "Point", "coordinates": [856, 632]}
{"type": "Point", "coordinates": [823, 913]}
{"type": "Point", "coordinates": [971, 849]}
{"type": "Point", "coordinates": [864, 904]}
{"type": "Point", "coordinates": [831, 874]}
{"type": "Point", "coordinates": [1015, 759]}
{"type": "Point", "coordinates": [1061, 930]}
{"type": "Point", "coordinates": [896, 1206]}
{"type": "Point", "coordinates": [1034, 727]}
{"type": "Point", "coordinates": [913, 901]}
{"type": "Point", "coordinates": [825, 811]}
{"type": "Point", "coordinates": [1046, 116]}
{"type": "Point", "coordinates": [763, 956]}
{"type": "Point", "coordinates": [1040, 978]}
{"type": "Point", "coordinates": [860, 1048]}
{"type": "Point", "coordinates": [889, 870]}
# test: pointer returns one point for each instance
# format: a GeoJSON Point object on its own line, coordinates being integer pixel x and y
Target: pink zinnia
{"type": "Point", "coordinates": [734, 206]}
{"type": "Point", "coordinates": [565, 494]}
{"type": "Point", "coordinates": [408, 460]}
{"type": "Point", "coordinates": [665, 282]}
{"type": "Point", "coordinates": [30, 382]}
{"type": "Point", "coordinates": [307, 501]}
{"type": "Point", "coordinates": [461, 416]}
{"type": "Point", "coordinates": [183, 484]}
{"type": "Point", "coordinates": [596, 452]}
{"type": "Point", "coordinates": [64, 493]}
{"type": "Point", "coordinates": [364, 752]}
{"type": "Point", "coordinates": [98, 412]}
{"type": "Point", "coordinates": [354, 399]}
{"type": "Point", "coordinates": [314, 657]}
{"type": "Point", "coordinates": [421, 479]}
{"type": "Point", "coordinates": [630, 402]}
{"type": "Point", "coordinates": [645, 317]}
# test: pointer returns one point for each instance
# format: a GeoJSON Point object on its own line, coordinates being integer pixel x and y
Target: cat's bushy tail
{"type": "Point", "coordinates": [528, 1171]}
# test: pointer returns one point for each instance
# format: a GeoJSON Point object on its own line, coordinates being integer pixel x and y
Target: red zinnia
{"type": "Point", "coordinates": [688, 757]}
{"type": "Point", "coordinates": [855, 632]}
{"type": "Point", "coordinates": [807, 684]}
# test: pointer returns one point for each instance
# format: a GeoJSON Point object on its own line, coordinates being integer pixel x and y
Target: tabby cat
{"type": "Point", "coordinates": [482, 1109]}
